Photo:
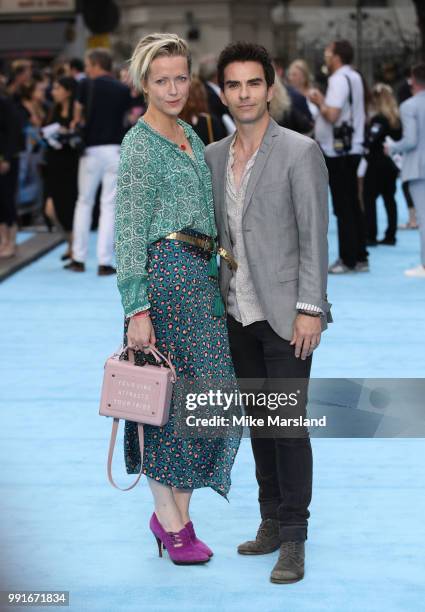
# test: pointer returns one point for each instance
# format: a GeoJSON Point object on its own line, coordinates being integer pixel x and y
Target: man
{"type": "Point", "coordinates": [11, 143]}
{"type": "Point", "coordinates": [343, 106]}
{"type": "Point", "coordinates": [102, 102]}
{"type": "Point", "coordinates": [270, 191]}
{"type": "Point", "coordinates": [412, 146]}
{"type": "Point", "coordinates": [76, 69]}
{"type": "Point", "coordinates": [208, 75]}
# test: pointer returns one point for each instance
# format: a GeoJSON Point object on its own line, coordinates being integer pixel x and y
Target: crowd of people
{"type": "Point", "coordinates": [61, 128]}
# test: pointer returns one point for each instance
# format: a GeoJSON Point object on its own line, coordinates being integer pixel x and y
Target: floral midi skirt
{"type": "Point", "coordinates": [181, 295]}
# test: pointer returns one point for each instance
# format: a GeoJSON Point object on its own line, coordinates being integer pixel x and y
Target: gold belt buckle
{"type": "Point", "coordinates": [206, 244]}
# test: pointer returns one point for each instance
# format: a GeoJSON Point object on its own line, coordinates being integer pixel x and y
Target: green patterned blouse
{"type": "Point", "coordinates": [160, 189]}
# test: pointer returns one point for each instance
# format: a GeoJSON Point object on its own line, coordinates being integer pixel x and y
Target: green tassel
{"type": "Point", "coordinates": [212, 266]}
{"type": "Point", "coordinates": [218, 306]}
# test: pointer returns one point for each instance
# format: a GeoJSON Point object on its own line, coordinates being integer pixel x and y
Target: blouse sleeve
{"type": "Point", "coordinates": [134, 209]}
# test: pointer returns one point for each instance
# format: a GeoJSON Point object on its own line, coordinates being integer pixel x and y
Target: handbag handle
{"type": "Point", "coordinates": [111, 453]}
{"type": "Point", "coordinates": [158, 356]}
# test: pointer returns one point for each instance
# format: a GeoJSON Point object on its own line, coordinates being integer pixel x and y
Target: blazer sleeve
{"type": "Point", "coordinates": [309, 188]}
{"type": "Point", "coordinates": [409, 140]}
{"type": "Point", "coordinates": [134, 209]}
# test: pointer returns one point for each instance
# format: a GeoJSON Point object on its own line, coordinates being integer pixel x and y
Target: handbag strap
{"type": "Point", "coordinates": [158, 356]}
{"type": "Point", "coordinates": [209, 128]}
{"type": "Point", "coordinates": [111, 453]}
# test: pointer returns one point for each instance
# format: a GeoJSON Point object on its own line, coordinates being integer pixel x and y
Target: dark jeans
{"type": "Point", "coordinates": [407, 196]}
{"type": "Point", "coordinates": [284, 466]}
{"type": "Point", "coordinates": [346, 205]}
{"type": "Point", "coordinates": [380, 180]}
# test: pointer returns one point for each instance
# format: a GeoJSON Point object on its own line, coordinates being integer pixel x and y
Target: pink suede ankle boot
{"type": "Point", "coordinates": [199, 543]}
{"type": "Point", "coordinates": [181, 549]}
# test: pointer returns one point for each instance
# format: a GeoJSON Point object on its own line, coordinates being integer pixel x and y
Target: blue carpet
{"type": "Point", "coordinates": [23, 235]}
{"type": "Point", "coordinates": [63, 527]}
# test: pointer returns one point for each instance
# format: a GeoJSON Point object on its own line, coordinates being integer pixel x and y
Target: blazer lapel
{"type": "Point", "coordinates": [260, 161]}
{"type": "Point", "coordinates": [222, 178]}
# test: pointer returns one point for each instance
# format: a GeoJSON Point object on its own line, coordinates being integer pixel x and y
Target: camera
{"type": "Point", "coordinates": [343, 138]}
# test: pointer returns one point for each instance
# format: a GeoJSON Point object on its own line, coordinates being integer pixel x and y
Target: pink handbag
{"type": "Point", "coordinates": [136, 393]}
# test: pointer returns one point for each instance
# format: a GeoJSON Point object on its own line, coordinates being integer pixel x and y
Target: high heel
{"type": "Point", "coordinates": [158, 541]}
{"type": "Point", "coordinates": [179, 545]}
{"type": "Point", "coordinates": [198, 543]}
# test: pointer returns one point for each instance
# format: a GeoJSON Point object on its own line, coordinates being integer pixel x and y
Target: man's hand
{"type": "Point", "coordinates": [316, 96]}
{"type": "Point", "coordinates": [306, 336]}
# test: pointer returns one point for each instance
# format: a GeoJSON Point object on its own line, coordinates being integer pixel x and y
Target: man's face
{"type": "Point", "coordinates": [329, 58]}
{"type": "Point", "coordinates": [245, 91]}
{"type": "Point", "coordinates": [91, 69]}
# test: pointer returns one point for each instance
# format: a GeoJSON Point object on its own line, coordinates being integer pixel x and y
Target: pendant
{"type": "Point", "coordinates": [183, 147]}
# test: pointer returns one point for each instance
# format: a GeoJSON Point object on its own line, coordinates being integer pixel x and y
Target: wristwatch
{"type": "Point", "coordinates": [309, 313]}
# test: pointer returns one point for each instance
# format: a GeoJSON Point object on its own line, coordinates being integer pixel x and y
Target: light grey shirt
{"type": "Point", "coordinates": [242, 301]}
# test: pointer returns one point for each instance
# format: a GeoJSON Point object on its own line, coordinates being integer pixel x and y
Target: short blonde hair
{"type": "Point", "coordinates": [152, 46]}
{"type": "Point", "coordinates": [304, 69]}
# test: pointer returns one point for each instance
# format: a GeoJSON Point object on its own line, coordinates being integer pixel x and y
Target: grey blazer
{"type": "Point", "coordinates": [284, 224]}
{"type": "Point", "coordinates": [412, 145]}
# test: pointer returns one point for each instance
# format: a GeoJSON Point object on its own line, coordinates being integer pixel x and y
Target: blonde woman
{"type": "Point", "coordinates": [169, 288]}
{"type": "Point", "coordinates": [284, 111]}
{"type": "Point", "coordinates": [381, 173]}
{"type": "Point", "coordinates": [301, 79]}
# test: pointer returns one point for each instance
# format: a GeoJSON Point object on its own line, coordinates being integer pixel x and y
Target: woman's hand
{"type": "Point", "coordinates": [140, 333]}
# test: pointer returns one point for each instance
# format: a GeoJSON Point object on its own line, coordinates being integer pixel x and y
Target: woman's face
{"type": "Point", "coordinates": [59, 93]}
{"type": "Point", "coordinates": [39, 92]}
{"type": "Point", "coordinates": [167, 84]}
{"type": "Point", "coordinates": [296, 77]}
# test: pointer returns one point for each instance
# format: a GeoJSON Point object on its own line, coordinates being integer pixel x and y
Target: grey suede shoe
{"type": "Point", "coordinates": [290, 565]}
{"type": "Point", "coordinates": [266, 541]}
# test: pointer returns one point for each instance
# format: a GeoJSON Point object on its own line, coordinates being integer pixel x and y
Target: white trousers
{"type": "Point", "coordinates": [98, 165]}
{"type": "Point", "coordinates": [417, 191]}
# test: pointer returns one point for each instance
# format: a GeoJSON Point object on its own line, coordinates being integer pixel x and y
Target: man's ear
{"type": "Point", "coordinates": [270, 93]}
{"type": "Point", "coordinates": [223, 99]}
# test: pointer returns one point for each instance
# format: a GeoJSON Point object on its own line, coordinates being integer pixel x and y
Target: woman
{"type": "Point", "coordinates": [10, 147]}
{"type": "Point", "coordinates": [299, 76]}
{"type": "Point", "coordinates": [164, 186]}
{"type": "Point", "coordinates": [33, 101]}
{"type": "Point", "coordinates": [61, 169]}
{"type": "Point", "coordinates": [284, 113]}
{"type": "Point", "coordinates": [381, 173]}
{"type": "Point", "coordinates": [195, 113]}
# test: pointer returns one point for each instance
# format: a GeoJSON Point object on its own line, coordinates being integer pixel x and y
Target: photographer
{"type": "Point", "coordinates": [339, 130]}
{"type": "Point", "coordinates": [61, 170]}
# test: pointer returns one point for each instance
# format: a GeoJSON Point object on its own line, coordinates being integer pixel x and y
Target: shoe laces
{"type": "Point", "coordinates": [291, 549]}
{"type": "Point", "coordinates": [176, 539]}
{"type": "Point", "coordinates": [265, 528]}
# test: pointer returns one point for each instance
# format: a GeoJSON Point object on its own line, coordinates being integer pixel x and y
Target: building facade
{"type": "Point", "coordinates": [381, 31]}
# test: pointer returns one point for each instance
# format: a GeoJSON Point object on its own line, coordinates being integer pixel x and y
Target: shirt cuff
{"type": "Point", "coordinates": [305, 306]}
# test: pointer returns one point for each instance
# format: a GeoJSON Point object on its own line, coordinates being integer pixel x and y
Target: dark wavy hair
{"type": "Point", "coordinates": [245, 52]}
{"type": "Point", "coordinates": [344, 50]}
{"type": "Point", "coordinates": [418, 73]}
{"type": "Point", "coordinates": [71, 85]}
